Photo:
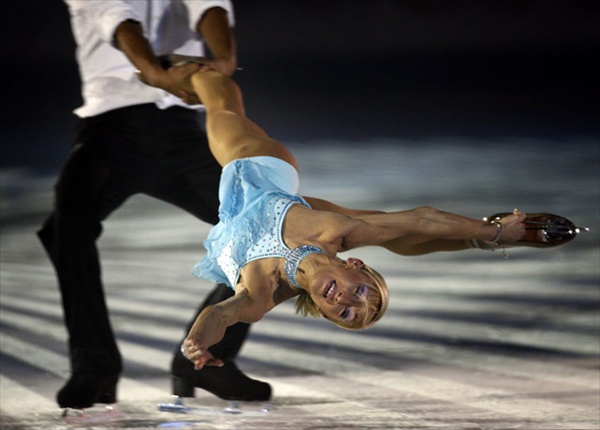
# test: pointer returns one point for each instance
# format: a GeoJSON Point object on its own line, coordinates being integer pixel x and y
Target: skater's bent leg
{"type": "Point", "coordinates": [231, 134]}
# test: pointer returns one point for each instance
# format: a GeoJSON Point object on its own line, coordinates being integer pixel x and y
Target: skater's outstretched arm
{"type": "Point", "coordinates": [248, 305]}
{"type": "Point", "coordinates": [209, 328]}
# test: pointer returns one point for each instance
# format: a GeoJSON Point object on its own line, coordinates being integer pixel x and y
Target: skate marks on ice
{"type": "Point", "coordinates": [176, 414]}
{"type": "Point", "coordinates": [209, 413]}
{"type": "Point", "coordinates": [179, 405]}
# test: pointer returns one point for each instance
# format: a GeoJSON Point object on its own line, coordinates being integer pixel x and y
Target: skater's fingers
{"type": "Point", "coordinates": [188, 346]}
{"type": "Point", "coordinates": [193, 352]}
{"type": "Point", "coordinates": [198, 355]}
{"type": "Point", "coordinates": [215, 362]}
{"type": "Point", "coordinates": [200, 361]}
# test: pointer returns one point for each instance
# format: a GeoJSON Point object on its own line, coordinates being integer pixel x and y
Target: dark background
{"type": "Point", "coordinates": [349, 69]}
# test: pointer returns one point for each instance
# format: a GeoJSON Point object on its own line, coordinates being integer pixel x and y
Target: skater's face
{"type": "Point", "coordinates": [348, 294]}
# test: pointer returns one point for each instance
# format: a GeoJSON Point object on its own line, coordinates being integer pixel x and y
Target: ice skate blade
{"type": "Point", "coordinates": [94, 415]}
{"type": "Point", "coordinates": [234, 408]}
{"type": "Point", "coordinates": [542, 230]}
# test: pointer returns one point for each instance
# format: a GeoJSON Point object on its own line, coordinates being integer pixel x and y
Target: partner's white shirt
{"type": "Point", "coordinates": [108, 78]}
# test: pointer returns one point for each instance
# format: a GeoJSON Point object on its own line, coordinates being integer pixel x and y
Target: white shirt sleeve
{"type": "Point", "coordinates": [108, 77]}
{"type": "Point", "coordinates": [104, 16]}
{"type": "Point", "coordinates": [198, 8]}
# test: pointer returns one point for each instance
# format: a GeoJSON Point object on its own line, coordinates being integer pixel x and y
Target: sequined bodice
{"type": "Point", "coordinates": [266, 242]}
{"type": "Point", "coordinates": [256, 194]}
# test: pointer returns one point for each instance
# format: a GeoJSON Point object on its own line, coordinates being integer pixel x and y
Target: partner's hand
{"type": "Point", "coordinates": [175, 80]}
{"type": "Point", "coordinates": [221, 65]}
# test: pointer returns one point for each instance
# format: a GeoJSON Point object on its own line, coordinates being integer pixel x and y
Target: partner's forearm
{"type": "Point", "coordinates": [219, 38]}
{"type": "Point", "coordinates": [130, 39]}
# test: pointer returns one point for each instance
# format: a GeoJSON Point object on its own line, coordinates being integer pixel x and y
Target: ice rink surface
{"type": "Point", "coordinates": [471, 340]}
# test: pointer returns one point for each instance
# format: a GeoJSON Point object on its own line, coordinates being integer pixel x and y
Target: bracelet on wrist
{"type": "Point", "coordinates": [496, 239]}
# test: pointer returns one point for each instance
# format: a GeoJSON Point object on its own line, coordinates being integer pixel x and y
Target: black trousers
{"type": "Point", "coordinates": [140, 149]}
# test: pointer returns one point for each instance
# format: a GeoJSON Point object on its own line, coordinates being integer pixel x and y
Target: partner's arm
{"type": "Point", "coordinates": [129, 38]}
{"type": "Point", "coordinates": [214, 28]}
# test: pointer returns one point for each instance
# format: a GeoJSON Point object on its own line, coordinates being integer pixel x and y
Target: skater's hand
{"type": "Point", "coordinates": [199, 355]}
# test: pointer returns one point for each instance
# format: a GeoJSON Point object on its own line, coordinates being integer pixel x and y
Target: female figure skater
{"type": "Point", "coordinates": [271, 244]}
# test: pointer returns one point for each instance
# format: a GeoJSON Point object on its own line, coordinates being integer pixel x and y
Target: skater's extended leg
{"type": "Point", "coordinates": [231, 134]}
